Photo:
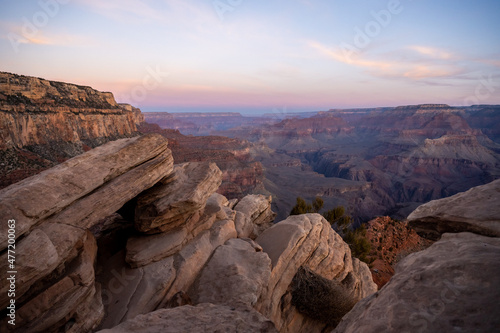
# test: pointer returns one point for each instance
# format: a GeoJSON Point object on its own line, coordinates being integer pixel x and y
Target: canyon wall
{"type": "Point", "coordinates": [45, 122]}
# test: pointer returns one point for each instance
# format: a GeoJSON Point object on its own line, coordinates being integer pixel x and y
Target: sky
{"type": "Point", "coordinates": [260, 56]}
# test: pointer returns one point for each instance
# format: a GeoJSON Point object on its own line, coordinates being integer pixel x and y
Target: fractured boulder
{"type": "Point", "coordinates": [167, 206]}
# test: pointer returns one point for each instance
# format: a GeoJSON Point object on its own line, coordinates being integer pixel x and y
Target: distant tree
{"type": "Point", "coordinates": [359, 244]}
{"type": "Point", "coordinates": [302, 207]}
{"type": "Point", "coordinates": [317, 204]}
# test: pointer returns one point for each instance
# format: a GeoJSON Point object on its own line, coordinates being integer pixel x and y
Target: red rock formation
{"type": "Point", "coordinates": [390, 241]}
{"type": "Point", "coordinates": [43, 123]}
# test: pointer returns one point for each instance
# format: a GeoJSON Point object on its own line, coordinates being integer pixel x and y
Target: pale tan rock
{"type": "Point", "coordinates": [36, 257]}
{"type": "Point", "coordinates": [166, 206]}
{"type": "Point", "coordinates": [202, 318]}
{"type": "Point", "coordinates": [257, 209]}
{"type": "Point", "coordinates": [66, 298]}
{"type": "Point", "coordinates": [304, 240]}
{"type": "Point", "coordinates": [110, 197]}
{"type": "Point", "coordinates": [143, 249]}
{"type": "Point", "coordinates": [127, 292]}
{"type": "Point", "coordinates": [476, 210]}
{"type": "Point", "coordinates": [244, 226]}
{"type": "Point", "coordinates": [191, 259]}
{"type": "Point", "coordinates": [232, 203]}
{"type": "Point", "coordinates": [451, 286]}
{"type": "Point", "coordinates": [34, 199]}
{"type": "Point", "coordinates": [235, 275]}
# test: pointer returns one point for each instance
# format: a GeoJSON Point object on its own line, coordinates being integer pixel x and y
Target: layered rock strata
{"type": "Point", "coordinates": [43, 123]}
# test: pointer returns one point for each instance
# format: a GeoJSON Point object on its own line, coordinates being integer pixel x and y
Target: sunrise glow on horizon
{"type": "Point", "coordinates": [257, 56]}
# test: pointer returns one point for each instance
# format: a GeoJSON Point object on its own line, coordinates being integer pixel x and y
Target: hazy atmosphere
{"type": "Point", "coordinates": [259, 56]}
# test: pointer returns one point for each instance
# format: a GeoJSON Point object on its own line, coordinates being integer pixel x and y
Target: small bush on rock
{"type": "Point", "coordinates": [319, 298]}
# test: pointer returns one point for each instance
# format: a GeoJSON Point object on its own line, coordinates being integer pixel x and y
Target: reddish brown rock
{"type": "Point", "coordinates": [43, 123]}
{"type": "Point", "coordinates": [390, 241]}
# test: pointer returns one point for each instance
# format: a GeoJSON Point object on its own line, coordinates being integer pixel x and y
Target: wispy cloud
{"type": "Point", "coordinates": [392, 67]}
{"type": "Point", "coordinates": [432, 52]}
{"type": "Point", "coordinates": [15, 34]}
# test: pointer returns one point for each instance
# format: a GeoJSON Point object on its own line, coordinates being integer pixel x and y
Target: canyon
{"type": "Point", "coordinates": [376, 161]}
{"type": "Point", "coordinates": [120, 225]}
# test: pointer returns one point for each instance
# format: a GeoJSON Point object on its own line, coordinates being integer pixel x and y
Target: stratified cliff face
{"type": "Point", "coordinates": [382, 161]}
{"type": "Point", "coordinates": [241, 175]}
{"type": "Point", "coordinates": [45, 122]}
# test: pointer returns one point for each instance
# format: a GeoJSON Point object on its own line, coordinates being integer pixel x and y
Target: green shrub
{"type": "Point", "coordinates": [302, 207]}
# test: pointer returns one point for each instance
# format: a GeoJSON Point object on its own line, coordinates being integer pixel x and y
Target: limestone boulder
{"type": "Point", "coordinates": [88, 187]}
{"type": "Point", "coordinates": [40, 253]}
{"type": "Point", "coordinates": [71, 302]}
{"type": "Point", "coordinates": [451, 286]}
{"type": "Point", "coordinates": [476, 210]}
{"type": "Point", "coordinates": [235, 275]}
{"type": "Point", "coordinates": [166, 206]}
{"type": "Point", "coordinates": [259, 215]}
{"type": "Point", "coordinates": [202, 318]}
{"type": "Point", "coordinates": [306, 241]}
{"type": "Point", "coordinates": [143, 249]}
{"type": "Point", "coordinates": [128, 292]}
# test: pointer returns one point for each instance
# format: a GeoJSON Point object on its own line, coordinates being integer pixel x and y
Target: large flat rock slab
{"type": "Point", "coordinates": [450, 287]}
{"type": "Point", "coordinates": [476, 210]}
{"type": "Point", "coordinates": [88, 186]}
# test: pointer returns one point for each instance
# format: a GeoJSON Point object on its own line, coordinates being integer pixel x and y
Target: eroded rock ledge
{"type": "Point", "coordinates": [119, 238]}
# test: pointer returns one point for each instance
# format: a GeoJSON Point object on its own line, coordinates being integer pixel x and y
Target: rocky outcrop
{"type": "Point", "coordinates": [306, 241]}
{"type": "Point", "coordinates": [86, 188]}
{"type": "Point", "coordinates": [256, 215]}
{"type": "Point", "coordinates": [35, 111]}
{"type": "Point", "coordinates": [450, 287]}
{"type": "Point", "coordinates": [476, 210]}
{"type": "Point", "coordinates": [235, 275]}
{"type": "Point", "coordinates": [168, 205]}
{"type": "Point", "coordinates": [197, 319]}
{"type": "Point", "coordinates": [52, 212]}
{"type": "Point", "coordinates": [43, 123]}
{"type": "Point", "coordinates": [110, 238]}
